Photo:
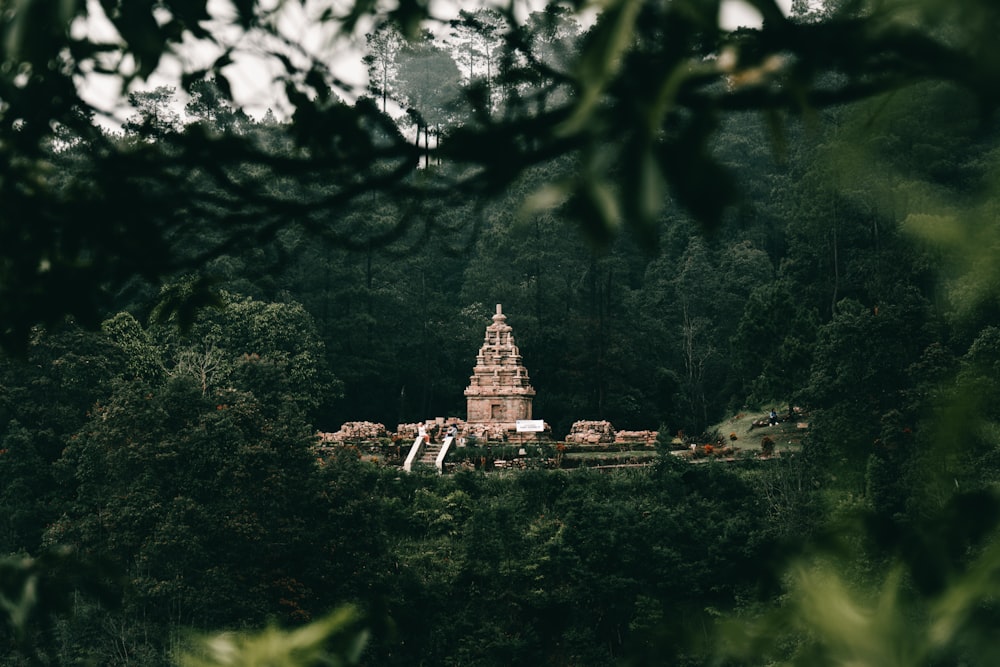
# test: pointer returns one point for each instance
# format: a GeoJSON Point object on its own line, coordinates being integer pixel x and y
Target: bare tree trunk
{"type": "Point", "coordinates": [836, 263]}
{"type": "Point", "coordinates": [427, 145]}
{"type": "Point", "coordinates": [203, 365]}
{"type": "Point", "coordinates": [694, 366]}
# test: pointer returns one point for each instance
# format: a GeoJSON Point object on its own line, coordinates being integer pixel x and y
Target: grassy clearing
{"type": "Point", "coordinates": [786, 434]}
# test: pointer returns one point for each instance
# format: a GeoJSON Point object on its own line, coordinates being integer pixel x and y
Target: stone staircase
{"type": "Point", "coordinates": [422, 453]}
{"type": "Point", "coordinates": [429, 453]}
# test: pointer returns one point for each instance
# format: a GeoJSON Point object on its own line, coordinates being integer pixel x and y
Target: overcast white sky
{"type": "Point", "coordinates": [252, 78]}
{"type": "Point", "coordinates": [738, 14]}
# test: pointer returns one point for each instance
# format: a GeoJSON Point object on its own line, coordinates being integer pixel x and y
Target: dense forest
{"type": "Point", "coordinates": [188, 299]}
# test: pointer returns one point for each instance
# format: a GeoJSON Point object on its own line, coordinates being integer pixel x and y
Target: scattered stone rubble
{"type": "Point", "coordinates": [602, 432]}
{"type": "Point", "coordinates": [583, 432]}
{"type": "Point", "coordinates": [354, 432]}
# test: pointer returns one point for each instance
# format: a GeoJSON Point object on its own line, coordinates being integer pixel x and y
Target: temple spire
{"type": "Point", "coordinates": [499, 391]}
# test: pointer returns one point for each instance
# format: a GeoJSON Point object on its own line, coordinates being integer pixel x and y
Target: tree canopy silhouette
{"type": "Point", "coordinates": [647, 86]}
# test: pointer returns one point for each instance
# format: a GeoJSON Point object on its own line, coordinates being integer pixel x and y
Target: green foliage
{"type": "Point", "coordinates": [932, 601]}
{"type": "Point", "coordinates": [774, 343]}
{"type": "Point", "coordinates": [44, 398]}
{"type": "Point", "coordinates": [335, 641]}
{"type": "Point", "coordinates": [270, 349]}
{"type": "Point", "coordinates": [204, 481]}
{"type": "Point", "coordinates": [183, 454]}
{"type": "Point", "coordinates": [36, 592]}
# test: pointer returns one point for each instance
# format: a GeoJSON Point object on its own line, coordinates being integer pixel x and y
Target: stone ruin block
{"type": "Point", "coordinates": [489, 432]}
{"type": "Point", "coordinates": [354, 432]}
{"type": "Point", "coordinates": [646, 438]}
{"type": "Point", "coordinates": [409, 431]}
{"type": "Point", "coordinates": [591, 433]}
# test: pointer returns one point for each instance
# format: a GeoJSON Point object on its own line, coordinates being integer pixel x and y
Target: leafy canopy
{"type": "Point", "coordinates": [639, 97]}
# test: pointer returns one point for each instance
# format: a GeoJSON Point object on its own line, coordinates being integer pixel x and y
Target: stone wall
{"type": "Point", "coordinates": [645, 438]}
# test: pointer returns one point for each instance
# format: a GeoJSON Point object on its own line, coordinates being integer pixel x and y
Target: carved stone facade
{"type": "Point", "coordinates": [499, 391]}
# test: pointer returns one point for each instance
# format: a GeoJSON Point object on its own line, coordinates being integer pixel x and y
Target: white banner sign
{"type": "Point", "coordinates": [530, 425]}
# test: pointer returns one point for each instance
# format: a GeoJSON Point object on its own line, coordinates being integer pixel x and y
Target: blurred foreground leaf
{"type": "Point", "coordinates": [334, 640]}
{"type": "Point", "coordinates": [832, 614]}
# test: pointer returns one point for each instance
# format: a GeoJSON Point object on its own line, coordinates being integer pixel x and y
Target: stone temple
{"type": "Point", "coordinates": [499, 391]}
